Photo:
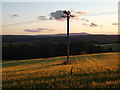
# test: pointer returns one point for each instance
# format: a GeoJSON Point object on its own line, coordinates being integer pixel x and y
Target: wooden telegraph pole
{"type": "Point", "coordinates": [67, 15]}
{"type": "Point", "coordinates": [68, 46]}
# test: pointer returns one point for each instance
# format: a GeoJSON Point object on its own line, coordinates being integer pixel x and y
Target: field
{"type": "Point", "coordinates": [114, 46]}
{"type": "Point", "coordinates": [87, 71]}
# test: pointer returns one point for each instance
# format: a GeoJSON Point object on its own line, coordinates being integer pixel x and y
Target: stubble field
{"type": "Point", "coordinates": [86, 71]}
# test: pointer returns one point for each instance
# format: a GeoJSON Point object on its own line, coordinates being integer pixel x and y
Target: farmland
{"type": "Point", "coordinates": [114, 47]}
{"type": "Point", "coordinates": [89, 71]}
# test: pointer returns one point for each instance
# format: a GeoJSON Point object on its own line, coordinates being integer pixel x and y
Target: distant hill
{"type": "Point", "coordinates": [64, 34]}
{"type": "Point", "coordinates": [74, 37]}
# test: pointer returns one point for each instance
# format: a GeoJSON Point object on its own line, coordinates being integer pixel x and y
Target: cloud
{"type": "Point", "coordinates": [42, 18]}
{"type": "Point", "coordinates": [39, 30]}
{"type": "Point", "coordinates": [30, 30]}
{"type": "Point", "coordinates": [83, 19]}
{"type": "Point", "coordinates": [45, 29]}
{"type": "Point", "coordinates": [85, 24]}
{"type": "Point", "coordinates": [115, 23]}
{"type": "Point", "coordinates": [14, 15]}
{"type": "Point", "coordinates": [80, 13]}
{"type": "Point", "coordinates": [93, 24]}
{"type": "Point", "coordinates": [57, 15]}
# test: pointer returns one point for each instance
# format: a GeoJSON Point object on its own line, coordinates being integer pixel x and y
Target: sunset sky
{"type": "Point", "coordinates": [22, 18]}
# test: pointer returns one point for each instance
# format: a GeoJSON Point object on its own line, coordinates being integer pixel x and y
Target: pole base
{"type": "Point", "coordinates": [67, 62]}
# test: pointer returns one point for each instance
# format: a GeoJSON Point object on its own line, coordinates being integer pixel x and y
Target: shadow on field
{"type": "Point", "coordinates": [22, 62]}
{"type": "Point", "coordinates": [30, 68]}
{"type": "Point", "coordinates": [11, 64]}
{"type": "Point", "coordinates": [14, 64]}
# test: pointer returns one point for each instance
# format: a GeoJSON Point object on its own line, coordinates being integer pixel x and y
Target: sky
{"type": "Point", "coordinates": [23, 18]}
{"type": "Point", "coordinates": [59, 1]}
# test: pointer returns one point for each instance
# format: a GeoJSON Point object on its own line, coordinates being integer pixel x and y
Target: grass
{"type": "Point", "coordinates": [89, 71]}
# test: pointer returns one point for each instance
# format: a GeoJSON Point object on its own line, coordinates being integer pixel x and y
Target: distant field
{"type": "Point", "coordinates": [89, 71]}
{"type": "Point", "coordinates": [114, 46]}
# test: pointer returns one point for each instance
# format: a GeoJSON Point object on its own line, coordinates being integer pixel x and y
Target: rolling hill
{"type": "Point", "coordinates": [61, 38]}
{"type": "Point", "coordinates": [86, 71]}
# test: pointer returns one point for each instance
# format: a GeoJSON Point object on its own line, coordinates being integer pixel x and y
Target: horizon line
{"type": "Point", "coordinates": [58, 34]}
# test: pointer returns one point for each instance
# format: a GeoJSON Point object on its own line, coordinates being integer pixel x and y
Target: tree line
{"type": "Point", "coordinates": [29, 50]}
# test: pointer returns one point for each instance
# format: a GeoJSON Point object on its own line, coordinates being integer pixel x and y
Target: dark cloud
{"type": "Point", "coordinates": [57, 15]}
{"type": "Point", "coordinates": [45, 29]}
{"type": "Point", "coordinates": [93, 25]}
{"type": "Point", "coordinates": [45, 18]}
{"type": "Point", "coordinates": [31, 30]}
{"type": "Point", "coordinates": [42, 18]}
{"type": "Point", "coordinates": [14, 15]}
{"type": "Point", "coordinates": [39, 30]}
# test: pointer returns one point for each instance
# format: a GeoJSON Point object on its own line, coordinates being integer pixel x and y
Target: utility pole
{"type": "Point", "coordinates": [67, 15]}
{"type": "Point", "coordinates": [68, 46]}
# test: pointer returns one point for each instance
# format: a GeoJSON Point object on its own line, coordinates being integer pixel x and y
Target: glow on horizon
{"type": "Point", "coordinates": [30, 12]}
